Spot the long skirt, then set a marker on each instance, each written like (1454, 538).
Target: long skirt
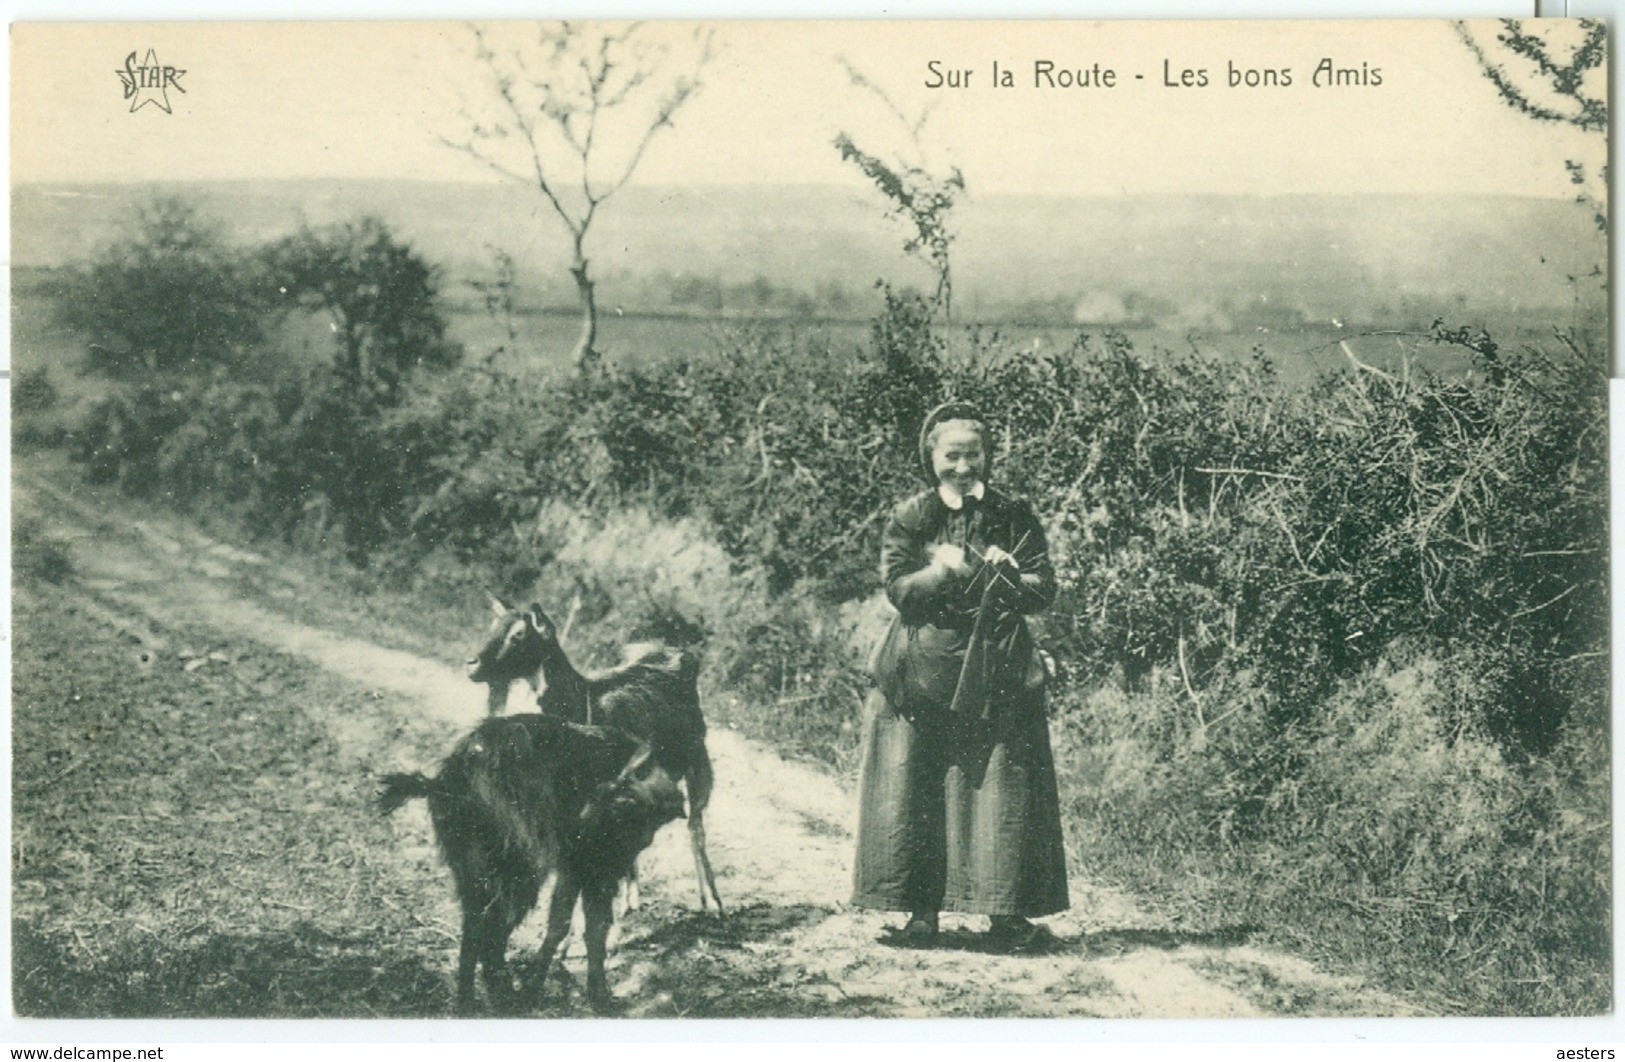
(960, 815)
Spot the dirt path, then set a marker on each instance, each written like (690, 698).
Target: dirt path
(780, 838)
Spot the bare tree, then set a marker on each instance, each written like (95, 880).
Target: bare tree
(920, 198)
(1553, 71)
(573, 114)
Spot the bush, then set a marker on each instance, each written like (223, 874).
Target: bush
(380, 296)
(1216, 522)
(1215, 525)
(321, 452)
(173, 295)
(121, 434)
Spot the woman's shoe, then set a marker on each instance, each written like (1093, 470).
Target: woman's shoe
(920, 931)
(1012, 933)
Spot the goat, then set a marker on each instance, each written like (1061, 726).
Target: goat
(524, 796)
(653, 693)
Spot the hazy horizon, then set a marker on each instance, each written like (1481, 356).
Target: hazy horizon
(1200, 258)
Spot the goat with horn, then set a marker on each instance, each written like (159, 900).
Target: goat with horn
(653, 694)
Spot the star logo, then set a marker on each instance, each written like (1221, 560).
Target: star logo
(149, 81)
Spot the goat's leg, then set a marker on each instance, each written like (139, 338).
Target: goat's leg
(633, 896)
(699, 782)
(559, 909)
(498, 980)
(468, 955)
(501, 919)
(598, 901)
(702, 862)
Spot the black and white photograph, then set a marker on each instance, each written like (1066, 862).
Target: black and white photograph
(709, 520)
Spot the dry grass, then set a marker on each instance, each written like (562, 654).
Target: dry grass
(188, 842)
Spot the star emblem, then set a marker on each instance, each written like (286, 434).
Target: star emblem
(149, 81)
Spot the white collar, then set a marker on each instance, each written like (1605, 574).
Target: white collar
(952, 499)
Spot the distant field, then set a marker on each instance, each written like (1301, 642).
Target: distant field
(545, 339)
(1364, 258)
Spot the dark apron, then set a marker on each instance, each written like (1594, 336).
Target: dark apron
(925, 670)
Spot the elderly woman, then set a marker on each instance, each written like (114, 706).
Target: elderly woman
(958, 807)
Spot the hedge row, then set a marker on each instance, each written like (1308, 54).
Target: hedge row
(1346, 630)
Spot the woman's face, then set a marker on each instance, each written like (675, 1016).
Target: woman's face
(958, 457)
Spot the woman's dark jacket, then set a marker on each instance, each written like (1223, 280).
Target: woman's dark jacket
(960, 643)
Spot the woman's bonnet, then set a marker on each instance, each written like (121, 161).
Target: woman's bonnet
(953, 409)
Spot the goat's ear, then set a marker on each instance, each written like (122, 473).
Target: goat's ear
(497, 607)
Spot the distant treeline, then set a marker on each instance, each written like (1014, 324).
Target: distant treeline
(1164, 260)
(695, 297)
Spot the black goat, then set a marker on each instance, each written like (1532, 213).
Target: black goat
(653, 693)
(524, 796)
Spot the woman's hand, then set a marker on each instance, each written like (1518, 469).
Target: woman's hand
(1007, 582)
(949, 558)
(1000, 559)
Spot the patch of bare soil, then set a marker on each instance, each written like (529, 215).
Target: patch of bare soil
(192, 836)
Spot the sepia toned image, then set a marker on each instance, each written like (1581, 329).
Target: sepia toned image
(761, 520)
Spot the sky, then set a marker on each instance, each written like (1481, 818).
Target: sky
(373, 100)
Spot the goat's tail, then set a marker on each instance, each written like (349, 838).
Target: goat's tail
(397, 789)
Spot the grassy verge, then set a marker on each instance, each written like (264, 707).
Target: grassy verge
(188, 841)
(1404, 849)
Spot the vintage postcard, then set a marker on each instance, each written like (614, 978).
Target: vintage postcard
(760, 520)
